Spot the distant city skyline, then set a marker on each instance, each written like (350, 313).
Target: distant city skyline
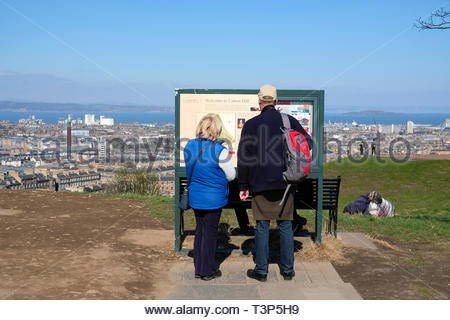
(435, 119)
(364, 55)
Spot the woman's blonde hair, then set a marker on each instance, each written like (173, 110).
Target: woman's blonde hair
(209, 127)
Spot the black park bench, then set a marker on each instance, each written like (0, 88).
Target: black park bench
(305, 199)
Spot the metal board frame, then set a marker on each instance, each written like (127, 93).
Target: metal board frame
(316, 96)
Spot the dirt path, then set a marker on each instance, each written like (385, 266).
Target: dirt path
(398, 270)
(78, 246)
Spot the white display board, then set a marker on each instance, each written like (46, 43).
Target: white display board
(233, 110)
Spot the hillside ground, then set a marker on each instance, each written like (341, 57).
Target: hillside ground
(414, 247)
(80, 246)
(86, 246)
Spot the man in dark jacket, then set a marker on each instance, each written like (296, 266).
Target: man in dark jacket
(260, 171)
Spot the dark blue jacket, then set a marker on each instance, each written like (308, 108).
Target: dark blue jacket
(361, 205)
(209, 186)
(260, 152)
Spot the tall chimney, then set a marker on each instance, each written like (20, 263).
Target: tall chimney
(69, 139)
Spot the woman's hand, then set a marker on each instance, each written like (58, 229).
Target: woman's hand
(244, 195)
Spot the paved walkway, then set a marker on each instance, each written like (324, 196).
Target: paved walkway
(356, 240)
(313, 280)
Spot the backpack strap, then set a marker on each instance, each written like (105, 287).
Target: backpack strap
(287, 125)
(286, 122)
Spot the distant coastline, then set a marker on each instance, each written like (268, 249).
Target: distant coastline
(165, 117)
(52, 117)
(30, 107)
(51, 112)
(373, 112)
(435, 119)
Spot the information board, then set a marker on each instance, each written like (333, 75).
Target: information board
(233, 110)
(234, 107)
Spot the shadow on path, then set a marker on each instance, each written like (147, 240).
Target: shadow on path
(225, 247)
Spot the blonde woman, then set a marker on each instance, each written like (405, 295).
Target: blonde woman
(211, 167)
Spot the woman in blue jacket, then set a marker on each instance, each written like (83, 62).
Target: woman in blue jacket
(208, 191)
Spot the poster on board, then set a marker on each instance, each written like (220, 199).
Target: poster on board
(300, 110)
(233, 110)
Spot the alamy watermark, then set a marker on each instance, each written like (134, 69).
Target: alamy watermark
(366, 146)
(262, 147)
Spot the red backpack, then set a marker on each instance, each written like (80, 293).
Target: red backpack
(296, 155)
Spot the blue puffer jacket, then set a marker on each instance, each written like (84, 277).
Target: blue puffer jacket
(209, 186)
(361, 205)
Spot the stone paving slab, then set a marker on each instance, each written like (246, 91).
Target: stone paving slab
(337, 292)
(235, 272)
(301, 275)
(266, 291)
(292, 291)
(216, 292)
(284, 291)
(313, 280)
(329, 272)
(356, 240)
(314, 273)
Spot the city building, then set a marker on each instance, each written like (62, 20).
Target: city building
(167, 185)
(75, 179)
(8, 182)
(89, 119)
(77, 133)
(410, 127)
(31, 120)
(28, 180)
(104, 121)
(71, 119)
(36, 181)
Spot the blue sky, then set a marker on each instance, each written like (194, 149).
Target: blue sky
(363, 53)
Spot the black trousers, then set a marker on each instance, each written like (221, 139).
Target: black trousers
(242, 217)
(205, 241)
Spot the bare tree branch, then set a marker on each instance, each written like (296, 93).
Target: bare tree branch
(438, 20)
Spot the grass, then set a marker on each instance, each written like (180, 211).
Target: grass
(163, 208)
(418, 189)
(416, 261)
(425, 292)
